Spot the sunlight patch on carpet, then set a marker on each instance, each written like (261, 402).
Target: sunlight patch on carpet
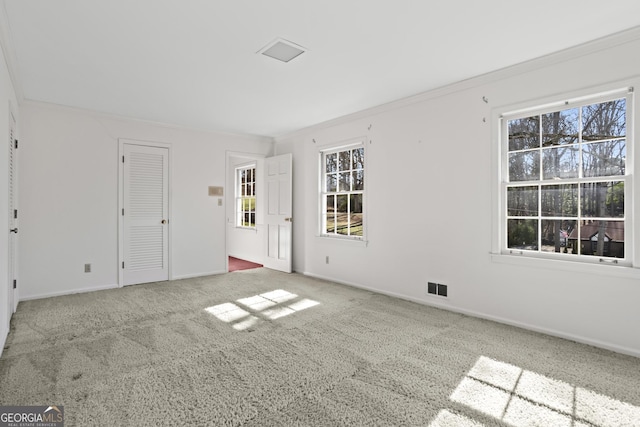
(268, 305)
(524, 398)
(447, 418)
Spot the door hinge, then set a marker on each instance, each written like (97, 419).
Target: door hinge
(122, 264)
(16, 143)
(15, 214)
(15, 283)
(122, 159)
(122, 211)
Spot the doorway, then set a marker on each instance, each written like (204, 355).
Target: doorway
(261, 235)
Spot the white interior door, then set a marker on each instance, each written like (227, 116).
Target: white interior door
(278, 218)
(145, 214)
(12, 296)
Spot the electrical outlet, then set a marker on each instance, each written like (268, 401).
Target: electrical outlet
(219, 202)
(326, 259)
(87, 268)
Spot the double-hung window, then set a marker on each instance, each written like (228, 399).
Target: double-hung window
(246, 196)
(566, 180)
(342, 192)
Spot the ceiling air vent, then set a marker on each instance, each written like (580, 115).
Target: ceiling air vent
(282, 50)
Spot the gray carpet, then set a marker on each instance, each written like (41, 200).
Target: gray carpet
(261, 348)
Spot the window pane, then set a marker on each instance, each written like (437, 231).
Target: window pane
(604, 121)
(358, 158)
(344, 181)
(560, 162)
(603, 199)
(524, 166)
(356, 203)
(342, 203)
(358, 180)
(330, 224)
(604, 158)
(555, 236)
(331, 162)
(344, 159)
(356, 225)
(522, 234)
(522, 201)
(559, 200)
(560, 127)
(244, 189)
(524, 133)
(243, 176)
(342, 223)
(332, 182)
(602, 238)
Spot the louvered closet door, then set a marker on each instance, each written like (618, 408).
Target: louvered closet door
(146, 209)
(13, 218)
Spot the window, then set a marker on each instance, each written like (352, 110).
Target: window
(246, 196)
(566, 181)
(343, 192)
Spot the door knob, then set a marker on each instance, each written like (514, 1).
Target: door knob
(14, 230)
(164, 221)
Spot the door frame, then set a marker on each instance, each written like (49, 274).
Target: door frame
(230, 194)
(121, 143)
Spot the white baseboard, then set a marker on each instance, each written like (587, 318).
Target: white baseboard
(472, 313)
(191, 276)
(68, 292)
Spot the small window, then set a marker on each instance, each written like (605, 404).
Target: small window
(342, 192)
(246, 196)
(566, 183)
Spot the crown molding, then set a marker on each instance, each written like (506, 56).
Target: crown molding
(564, 55)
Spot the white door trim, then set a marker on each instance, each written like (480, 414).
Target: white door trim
(121, 143)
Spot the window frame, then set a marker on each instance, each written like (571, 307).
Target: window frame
(322, 178)
(239, 197)
(500, 248)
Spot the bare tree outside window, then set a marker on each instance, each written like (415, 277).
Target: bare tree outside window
(343, 192)
(565, 185)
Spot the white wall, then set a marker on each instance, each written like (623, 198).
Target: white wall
(68, 187)
(247, 244)
(428, 160)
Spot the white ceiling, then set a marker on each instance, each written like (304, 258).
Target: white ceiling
(193, 62)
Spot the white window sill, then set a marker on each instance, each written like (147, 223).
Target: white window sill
(609, 270)
(350, 241)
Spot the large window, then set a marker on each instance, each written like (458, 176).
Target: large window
(246, 196)
(343, 192)
(566, 181)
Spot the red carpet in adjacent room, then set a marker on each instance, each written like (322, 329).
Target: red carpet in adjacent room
(236, 264)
